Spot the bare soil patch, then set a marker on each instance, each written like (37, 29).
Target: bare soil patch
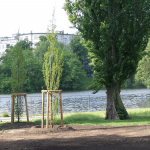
(30, 136)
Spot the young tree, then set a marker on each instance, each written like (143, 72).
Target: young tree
(53, 62)
(115, 33)
(52, 67)
(17, 76)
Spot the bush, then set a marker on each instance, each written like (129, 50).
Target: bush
(122, 113)
(5, 114)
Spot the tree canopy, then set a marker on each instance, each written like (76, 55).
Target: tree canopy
(116, 33)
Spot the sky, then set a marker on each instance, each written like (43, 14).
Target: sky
(32, 15)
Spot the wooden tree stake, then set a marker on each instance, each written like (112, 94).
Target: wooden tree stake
(50, 92)
(12, 106)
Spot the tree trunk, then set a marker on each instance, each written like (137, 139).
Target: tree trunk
(115, 108)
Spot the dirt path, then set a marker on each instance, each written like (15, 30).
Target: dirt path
(32, 137)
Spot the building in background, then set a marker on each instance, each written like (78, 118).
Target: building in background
(5, 42)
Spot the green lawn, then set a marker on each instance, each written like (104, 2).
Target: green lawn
(138, 116)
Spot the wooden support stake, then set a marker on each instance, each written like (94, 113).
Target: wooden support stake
(49, 92)
(12, 109)
(47, 121)
(12, 106)
(51, 111)
(61, 111)
(42, 110)
(26, 108)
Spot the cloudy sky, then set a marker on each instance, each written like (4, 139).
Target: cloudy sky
(32, 15)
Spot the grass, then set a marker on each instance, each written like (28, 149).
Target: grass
(138, 117)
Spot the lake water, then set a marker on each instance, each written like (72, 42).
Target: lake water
(81, 101)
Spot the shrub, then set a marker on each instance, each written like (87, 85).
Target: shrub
(122, 113)
(5, 114)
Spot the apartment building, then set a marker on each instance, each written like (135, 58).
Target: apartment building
(5, 42)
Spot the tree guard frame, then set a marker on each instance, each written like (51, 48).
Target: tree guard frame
(12, 106)
(61, 111)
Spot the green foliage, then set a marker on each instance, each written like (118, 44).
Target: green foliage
(8, 60)
(113, 36)
(70, 77)
(55, 108)
(78, 48)
(34, 78)
(25, 44)
(42, 39)
(18, 107)
(5, 114)
(41, 49)
(52, 67)
(116, 34)
(5, 72)
(87, 82)
(73, 74)
(122, 113)
(143, 70)
(17, 69)
(18, 74)
(32, 64)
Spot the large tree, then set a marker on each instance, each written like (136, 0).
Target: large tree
(115, 33)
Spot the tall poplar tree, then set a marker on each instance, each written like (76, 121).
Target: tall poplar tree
(52, 68)
(53, 62)
(115, 33)
(17, 76)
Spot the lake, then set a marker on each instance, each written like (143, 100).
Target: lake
(81, 101)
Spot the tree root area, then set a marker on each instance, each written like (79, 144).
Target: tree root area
(30, 136)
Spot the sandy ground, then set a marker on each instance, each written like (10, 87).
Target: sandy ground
(29, 136)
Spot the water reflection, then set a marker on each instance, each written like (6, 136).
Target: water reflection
(80, 101)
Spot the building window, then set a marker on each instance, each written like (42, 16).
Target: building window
(65, 40)
(26, 37)
(35, 36)
(70, 37)
(21, 38)
(61, 37)
(2, 46)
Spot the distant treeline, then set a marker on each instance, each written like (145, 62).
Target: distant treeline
(77, 73)
(75, 69)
